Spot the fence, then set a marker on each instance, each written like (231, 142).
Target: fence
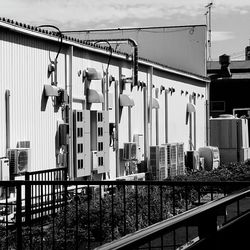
(87, 214)
(221, 224)
(58, 174)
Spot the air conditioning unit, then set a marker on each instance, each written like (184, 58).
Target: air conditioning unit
(19, 160)
(129, 151)
(4, 173)
(171, 158)
(211, 157)
(192, 160)
(94, 160)
(132, 177)
(163, 163)
(180, 159)
(154, 164)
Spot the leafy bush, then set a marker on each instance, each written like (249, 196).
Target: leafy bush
(226, 172)
(118, 211)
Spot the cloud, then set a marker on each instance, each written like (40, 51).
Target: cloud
(97, 13)
(218, 36)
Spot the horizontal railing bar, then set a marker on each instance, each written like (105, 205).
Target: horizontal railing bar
(157, 229)
(46, 171)
(127, 183)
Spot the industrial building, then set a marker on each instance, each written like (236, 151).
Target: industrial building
(229, 123)
(98, 112)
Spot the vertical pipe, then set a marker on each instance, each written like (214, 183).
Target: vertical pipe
(145, 106)
(117, 156)
(129, 124)
(150, 103)
(66, 72)
(107, 91)
(7, 106)
(207, 143)
(194, 99)
(190, 126)
(157, 118)
(166, 116)
(104, 93)
(71, 165)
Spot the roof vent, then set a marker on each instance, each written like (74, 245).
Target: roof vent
(247, 53)
(224, 62)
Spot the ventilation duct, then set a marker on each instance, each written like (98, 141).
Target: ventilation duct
(126, 101)
(95, 96)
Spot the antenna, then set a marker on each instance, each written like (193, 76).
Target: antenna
(209, 24)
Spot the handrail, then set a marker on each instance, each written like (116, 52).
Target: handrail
(148, 233)
(129, 183)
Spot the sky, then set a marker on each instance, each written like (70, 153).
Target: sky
(230, 19)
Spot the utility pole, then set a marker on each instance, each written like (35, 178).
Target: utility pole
(209, 25)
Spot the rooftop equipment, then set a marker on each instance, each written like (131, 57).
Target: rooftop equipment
(230, 135)
(19, 160)
(211, 157)
(192, 160)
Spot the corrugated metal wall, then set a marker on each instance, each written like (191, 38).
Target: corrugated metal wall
(24, 62)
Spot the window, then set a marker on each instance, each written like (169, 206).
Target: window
(80, 164)
(100, 146)
(79, 116)
(80, 148)
(99, 117)
(217, 106)
(100, 131)
(100, 161)
(79, 132)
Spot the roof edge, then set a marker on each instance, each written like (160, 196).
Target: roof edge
(49, 35)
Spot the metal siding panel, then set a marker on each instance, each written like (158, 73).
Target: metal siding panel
(24, 66)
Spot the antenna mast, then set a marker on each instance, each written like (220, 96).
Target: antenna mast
(208, 20)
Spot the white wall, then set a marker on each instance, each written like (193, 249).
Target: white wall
(23, 63)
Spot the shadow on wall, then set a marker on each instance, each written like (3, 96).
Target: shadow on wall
(44, 100)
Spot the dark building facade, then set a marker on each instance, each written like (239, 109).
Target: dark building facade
(230, 86)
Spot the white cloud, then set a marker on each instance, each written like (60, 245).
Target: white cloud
(218, 36)
(83, 12)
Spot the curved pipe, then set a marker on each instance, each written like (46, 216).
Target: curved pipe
(60, 35)
(132, 43)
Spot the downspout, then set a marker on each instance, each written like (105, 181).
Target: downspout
(150, 103)
(166, 116)
(207, 142)
(117, 106)
(194, 99)
(129, 124)
(71, 162)
(104, 92)
(190, 127)
(106, 86)
(157, 119)
(7, 105)
(145, 109)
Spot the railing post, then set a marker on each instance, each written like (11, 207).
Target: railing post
(18, 217)
(207, 226)
(27, 200)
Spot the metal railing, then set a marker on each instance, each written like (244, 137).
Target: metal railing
(58, 174)
(209, 226)
(87, 214)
